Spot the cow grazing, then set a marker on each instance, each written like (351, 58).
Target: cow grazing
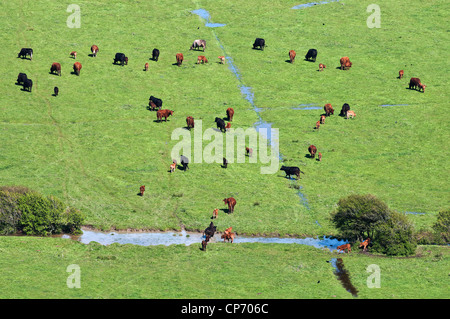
(24, 52)
(180, 58)
(198, 44)
(228, 235)
(222, 59)
(209, 231)
(94, 50)
(77, 68)
(422, 87)
(155, 54)
(56, 67)
(364, 244)
(146, 67)
(27, 85)
(55, 91)
(215, 213)
(154, 102)
(230, 114)
(322, 119)
(202, 59)
(228, 126)
(350, 113)
(328, 109)
(321, 67)
(344, 247)
(259, 42)
(311, 55)
(400, 74)
(220, 124)
(163, 113)
(21, 78)
(231, 202)
(142, 190)
(225, 163)
(249, 151)
(190, 122)
(184, 162)
(291, 170)
(173, 166)
(312, 150)
(121, 58)
(319, 157)
(345, 108)
(345, 63)
(317, 125)
(73, 54)
(204, 244)
(292, 55)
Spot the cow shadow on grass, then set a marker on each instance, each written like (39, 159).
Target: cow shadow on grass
(312, 61)
(25, 90)
(24, 58)
(225, 210)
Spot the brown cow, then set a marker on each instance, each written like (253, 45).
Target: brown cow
(312, 150)
(94, 50)
(400, 74)
(56, 67)
(180, 58)
(321, 67)
(350, 113)
(228, 126)
(173, 166)
(228, 236)
(320, 157)
(215, 213)
(190, 122)
(163, 113)
(222, 59)
(142, 190)
(328, 109)
(230, 114)
(73, 54)
(322, 119)
(202, 59)
(146, 66)
(364, 244)
(345, 63)
(204, 243)
(249, 151)
(292, 55)
(231, 203)
(317, 125)
(415, 82)
(422, 86)
(77, 68)
(344, 247)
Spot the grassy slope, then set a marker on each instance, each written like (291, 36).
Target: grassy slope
(95, 144)
(36, 268)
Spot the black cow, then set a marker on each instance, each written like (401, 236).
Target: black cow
(155, 54)
(120, 57)
(220, 124)
(24, 52)
(291, 170)
(154, 103)
(259, 43)
(27, 85)
(185, 162)
(225, 162)
(210, 230)
(311, 55)
(344, 110)
(56, 91)
(21, 78)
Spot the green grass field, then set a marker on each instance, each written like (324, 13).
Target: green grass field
(96, 143)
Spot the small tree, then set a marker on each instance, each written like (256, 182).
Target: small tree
(442, 226)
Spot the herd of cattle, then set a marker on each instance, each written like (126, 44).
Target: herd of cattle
(156, 104)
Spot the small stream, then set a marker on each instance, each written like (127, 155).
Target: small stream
(311, 4)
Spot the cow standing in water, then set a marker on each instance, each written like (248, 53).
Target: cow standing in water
(94, 50)
(292, 55)
(198, 44)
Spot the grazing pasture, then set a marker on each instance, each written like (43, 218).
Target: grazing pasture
(96, 143)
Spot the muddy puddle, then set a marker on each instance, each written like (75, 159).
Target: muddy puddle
(189, 238)
(343, 276)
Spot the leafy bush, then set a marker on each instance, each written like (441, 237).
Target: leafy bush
(34, 214)
(442, 227)
(364, 216)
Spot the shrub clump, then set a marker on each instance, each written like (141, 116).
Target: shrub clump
(27, 211)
